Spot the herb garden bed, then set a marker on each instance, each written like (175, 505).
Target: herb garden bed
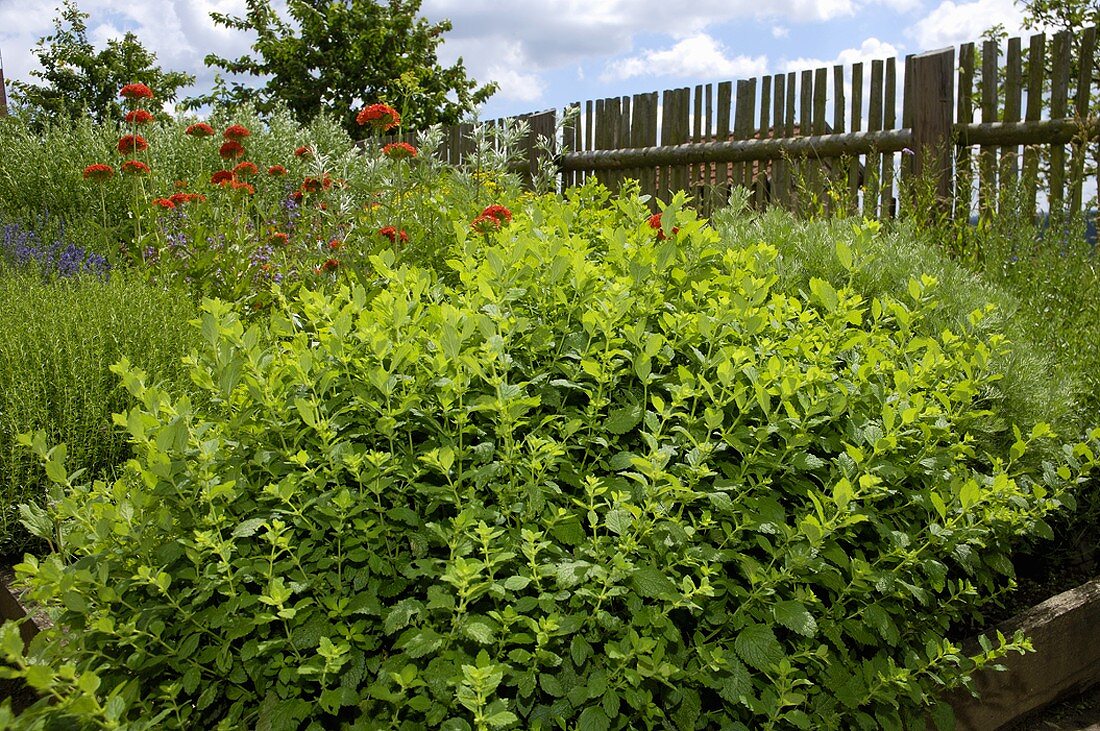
(1066, 661)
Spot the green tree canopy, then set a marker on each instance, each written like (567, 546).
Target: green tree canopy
(1060, 14)
(335, 56)
(79, 80)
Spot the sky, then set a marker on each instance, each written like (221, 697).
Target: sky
(547, 53)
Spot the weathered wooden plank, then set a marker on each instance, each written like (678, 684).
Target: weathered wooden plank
(723, 173)
(818, 173)
(855, 169)
(839, 127)
(801, 196)
(708, 168)
(906, 167)
(785, 181)
(1059, 95)
(873, 166)
(683, 176)
(1010, 162)
(542, 125)
(1036, 56)
(624, 133)
(987, 158)
(933, 94)
(964, 114)
(1038, 132)
(569, 140)
(889, 121)
(810, 146)
(644, 134)
(697, 172)
(743, 127)
(1087, 47)
(779, 113)
(760, 172)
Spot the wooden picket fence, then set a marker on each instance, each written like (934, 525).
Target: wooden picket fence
(842, 138)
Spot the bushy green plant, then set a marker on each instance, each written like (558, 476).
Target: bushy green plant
(625, 483)
(1034, 385)
(59, 339)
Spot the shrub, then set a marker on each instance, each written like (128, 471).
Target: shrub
(632, 485)
(59, 339)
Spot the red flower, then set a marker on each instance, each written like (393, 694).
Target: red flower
(200, 129)
(278, 238)
(316, 185)
(485, 224)
(655, 223)
(236, 132)
(380, 117)
(181, 184)
(238, 185)
(276, 170)
(99, 172)
(303, 152)
(221, 177)
(244, 169)
(129, 144)
(164, 203)
(501, 214)
(136, 91)
(139, 116)
(393, 234)
(330, 265)
(399, 151)
(296, 196)
(335, 244)
(231, 150)
(180, 198)
(135, 167)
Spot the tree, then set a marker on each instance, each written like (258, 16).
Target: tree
(1069, 15)
(81, 81)
(335, 56)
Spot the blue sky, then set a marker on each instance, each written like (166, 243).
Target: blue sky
(547, 53)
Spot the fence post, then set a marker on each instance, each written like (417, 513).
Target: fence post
(930, 78)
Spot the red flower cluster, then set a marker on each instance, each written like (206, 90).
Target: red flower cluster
(180, 198)
(129, 144)
(135, 167)
(303, 152)
(491, 219)
(164, 203)
(221, 176)
(199, 129)
(399, 151)
(231, 150)
(655, 223)
(244, 169)
(136, 91)
(276, 170)
(330, 265)
(236, 132)
(316, 185)
(246, 187)
(139, 116)
(380, 117)
(99, 172)
(393, 234)
(335, 245)
(278, 238)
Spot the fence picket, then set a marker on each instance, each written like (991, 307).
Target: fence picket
(889, 119)
(987, 157)
(964, 164)
(1059, 94)
(1081, 111)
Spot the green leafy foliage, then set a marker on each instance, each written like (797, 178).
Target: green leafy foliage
(402, 504)
(80, 82)
(59, 340)
(335, 56)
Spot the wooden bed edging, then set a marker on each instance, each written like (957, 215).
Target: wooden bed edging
(1065, 631)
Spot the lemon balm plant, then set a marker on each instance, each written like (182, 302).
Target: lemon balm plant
(601, 480)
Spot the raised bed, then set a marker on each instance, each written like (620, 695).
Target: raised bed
(1065, 631)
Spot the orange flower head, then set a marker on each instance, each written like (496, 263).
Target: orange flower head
(199, 129)
(99, 172)
(245, 169)
(231, 150)
(399, 151)
(129, 144)
(135, 167)
(136, 91)
(380, 117)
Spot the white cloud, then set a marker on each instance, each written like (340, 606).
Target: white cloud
(696, 56)
(951, 23)
(779, 31)
(870, 49)
(514, 85)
